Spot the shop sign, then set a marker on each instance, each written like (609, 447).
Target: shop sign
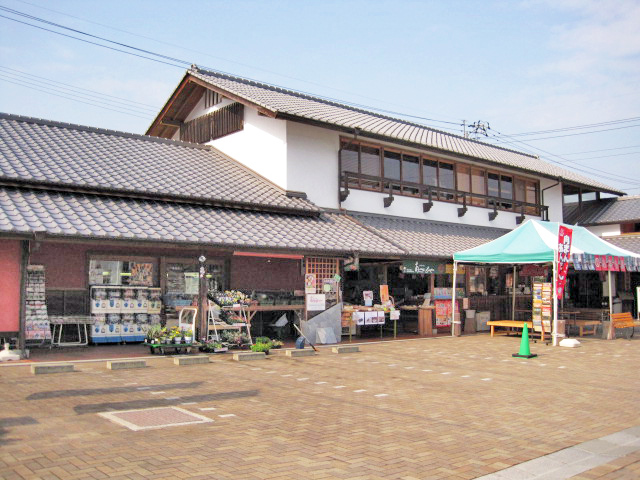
(564, 250)
(316, 302)
(384, 294)
(367, 296)
(310, 283)
(530, 270)
(419, 266)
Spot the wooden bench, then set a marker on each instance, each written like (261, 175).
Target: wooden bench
(509, 324)
(623, 320)
(581, 324)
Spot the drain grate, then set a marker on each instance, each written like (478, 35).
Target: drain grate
(150, 418)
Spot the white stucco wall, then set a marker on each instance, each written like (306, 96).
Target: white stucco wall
(261, 146)
(312, 163)
(605, 230)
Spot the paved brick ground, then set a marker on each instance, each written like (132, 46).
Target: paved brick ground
(429, 408)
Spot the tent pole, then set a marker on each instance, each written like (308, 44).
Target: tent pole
(453, 299)
(611, 334)
(513, 296)
(555, 305)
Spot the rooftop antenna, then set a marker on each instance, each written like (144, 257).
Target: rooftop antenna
(479, 129)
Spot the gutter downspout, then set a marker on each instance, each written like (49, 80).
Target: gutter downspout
(23, 297)
(355, 137)
(547, 188)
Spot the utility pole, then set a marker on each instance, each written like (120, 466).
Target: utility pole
(464, 129)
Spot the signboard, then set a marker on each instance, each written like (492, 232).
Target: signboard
(384, 294)
(367, 296)
(531, 270)
(310, 283)
(141, 274)
(422, 267)
(316, 302)
(564, 250)
(444, 312)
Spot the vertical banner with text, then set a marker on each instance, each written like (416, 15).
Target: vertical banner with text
(564, 250)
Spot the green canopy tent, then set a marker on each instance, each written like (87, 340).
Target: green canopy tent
(537, 242)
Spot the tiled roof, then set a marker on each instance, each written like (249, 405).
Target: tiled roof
(290, 104)
(628, 242)
(59, 214)
(64, 155)
(426, 238)
(604, 211)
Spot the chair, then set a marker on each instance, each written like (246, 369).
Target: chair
(279, 325)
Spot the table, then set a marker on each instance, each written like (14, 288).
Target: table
(509, 324)
(79, 321)
(581, 323)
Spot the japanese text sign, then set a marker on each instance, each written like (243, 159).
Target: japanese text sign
(564, 250)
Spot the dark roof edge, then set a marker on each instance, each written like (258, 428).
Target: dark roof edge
(103, 131)
(151, 197)
(342, 105)
(43, 236)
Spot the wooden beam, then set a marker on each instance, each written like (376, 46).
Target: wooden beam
(170, 122)
(244, 101)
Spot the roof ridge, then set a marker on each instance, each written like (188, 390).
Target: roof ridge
(103, 131)
(345, 105)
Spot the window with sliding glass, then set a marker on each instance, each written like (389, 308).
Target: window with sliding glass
(370, 165)
(377, 168)
(410, 174)
(392, 170)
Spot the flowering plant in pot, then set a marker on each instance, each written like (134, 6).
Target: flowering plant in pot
(188, 335)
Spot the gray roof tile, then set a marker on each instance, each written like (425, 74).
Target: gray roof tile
(628, 242)
(97, 216)
(60, 154)
(296, 104)
(605, 211)
(426, 238)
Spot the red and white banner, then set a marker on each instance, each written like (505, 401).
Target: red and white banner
(564, 250)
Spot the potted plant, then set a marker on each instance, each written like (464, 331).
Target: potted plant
(276, 344)
(154, 334)
(188, 336)
(261, 347)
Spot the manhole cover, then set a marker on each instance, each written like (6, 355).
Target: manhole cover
(149, 418)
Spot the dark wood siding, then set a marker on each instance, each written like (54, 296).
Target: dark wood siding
(214, 125)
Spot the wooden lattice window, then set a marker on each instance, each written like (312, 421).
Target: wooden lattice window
(322, 268)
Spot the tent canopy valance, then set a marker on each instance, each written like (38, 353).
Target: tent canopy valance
(537, 242)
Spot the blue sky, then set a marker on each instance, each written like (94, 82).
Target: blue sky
(522, 66)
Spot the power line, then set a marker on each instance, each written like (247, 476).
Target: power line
(92, 43)
(240, 63)
(602, 150)
(73, 99)
(185, 62)
(577, 127)
(582, 133)
(588, 170)
(100, 97)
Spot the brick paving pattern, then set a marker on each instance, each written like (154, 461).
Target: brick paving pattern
(418, 409)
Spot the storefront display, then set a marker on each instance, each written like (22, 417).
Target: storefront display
(37, 326)
(123, 314)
